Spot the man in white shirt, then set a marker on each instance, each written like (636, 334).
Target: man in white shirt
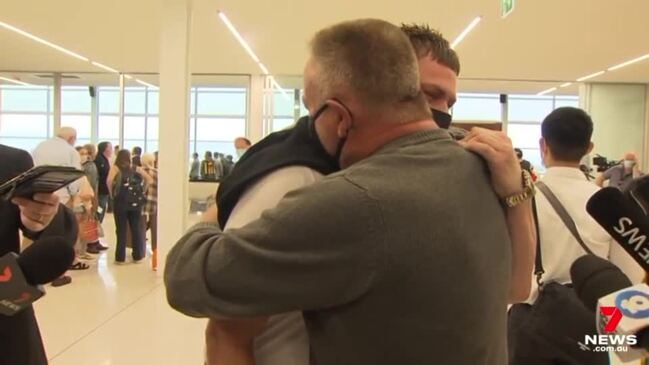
(566, 139)
(59, 151)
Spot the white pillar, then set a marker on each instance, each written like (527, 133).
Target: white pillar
(122, 91)
(57, 102)
(173, 204)
(255, 128)
(94, 117)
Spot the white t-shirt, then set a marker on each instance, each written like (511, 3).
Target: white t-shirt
(559, 249)
(58, 152)
(285, 340)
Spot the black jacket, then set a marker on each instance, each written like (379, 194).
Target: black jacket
(103, 168)
(20, 338)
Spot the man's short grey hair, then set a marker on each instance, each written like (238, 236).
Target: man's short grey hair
(371, 58)
(66, 133)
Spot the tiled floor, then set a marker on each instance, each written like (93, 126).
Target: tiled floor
(116, 315)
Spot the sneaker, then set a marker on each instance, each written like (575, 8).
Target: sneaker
(60, 281)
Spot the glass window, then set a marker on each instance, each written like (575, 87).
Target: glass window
(108, 128)
(219, 129)
(76, 100)
(227, 103)
(282, 123)
(226, 148)
(533, 155)
(108, 100)
(81, 123)
(524, 135)
(23, 125)
(134, 128)
(477, 107)
(567, 101)
(529, 109)
(26, 144)
(153, 102)
(134, 101)
(18, 99)
(283, 104)
(152, 134)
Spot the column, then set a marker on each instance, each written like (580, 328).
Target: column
(94, 116)
(619, 113)
(176, 16)
(256, 123)
(57, 102)
(122, 91)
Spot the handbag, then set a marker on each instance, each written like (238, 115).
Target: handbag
(89, 230)
(553, 329)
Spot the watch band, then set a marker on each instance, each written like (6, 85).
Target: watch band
(528, 192)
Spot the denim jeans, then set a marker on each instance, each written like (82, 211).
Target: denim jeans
(129, 219)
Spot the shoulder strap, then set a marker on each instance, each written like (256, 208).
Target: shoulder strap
(563, 214)
(538, 263)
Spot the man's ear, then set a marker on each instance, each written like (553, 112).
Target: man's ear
(343, 118)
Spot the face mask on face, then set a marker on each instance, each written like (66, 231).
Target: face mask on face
(341, 142)
(240, 152)
(443, 119)
(628, 164)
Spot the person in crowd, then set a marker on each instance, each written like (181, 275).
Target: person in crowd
(127, 185)
(241, 145)
(282, 339)
(137, 156)
(82, 204)
(39, 217)
(114, 155)
(525, 165)
(622, 175)
(102, 161)
(156, 159)
(208, 167)
(59, 151)
(374, 124)
(218, 164)
(195, 169)
(228, 163)
(90, 168)
(151, 205)
(566, 138)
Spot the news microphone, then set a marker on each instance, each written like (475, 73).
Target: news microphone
(21, 276)
(622, 310)
(624, 221)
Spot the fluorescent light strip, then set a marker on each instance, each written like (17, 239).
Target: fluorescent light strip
(128, 77)
(627, 63)
(590, 76)
(110, 69)
(42, 41)
(263, 68)
(547, 91)
(238, 36)
(145, 83)
(466, 31)
(566, 84)
(15, 81)
(276, 86)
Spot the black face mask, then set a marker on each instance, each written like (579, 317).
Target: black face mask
(341, 142)
(443, 119)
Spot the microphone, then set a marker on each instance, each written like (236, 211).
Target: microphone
(625, 222)
(21, 276)
(622, 310)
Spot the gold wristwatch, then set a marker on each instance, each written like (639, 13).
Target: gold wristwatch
(528, 192)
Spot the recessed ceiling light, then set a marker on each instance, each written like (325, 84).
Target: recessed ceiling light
(42, 41)
(263, 68)
(627, 63)
(587, 77)
(145, 83)
(109, 69)
(15, 81)
(238, 36)
(466, 31)
(547, 91)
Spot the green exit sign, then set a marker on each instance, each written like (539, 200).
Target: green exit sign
(506, 7)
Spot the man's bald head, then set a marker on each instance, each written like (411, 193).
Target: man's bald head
(631, 156)
(69, 134)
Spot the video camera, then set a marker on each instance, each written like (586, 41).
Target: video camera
(603, 163)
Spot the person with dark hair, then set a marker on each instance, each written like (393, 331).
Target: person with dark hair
(127, 186)
(525, 165)
(566, 139)
(39, 217)
(622, 175)
(136, 159)
(228, 163)
(103, 164)
(208, 167)
(195, 169)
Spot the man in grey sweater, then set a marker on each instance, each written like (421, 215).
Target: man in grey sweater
(385, 260)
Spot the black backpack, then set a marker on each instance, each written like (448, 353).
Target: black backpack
(129, 188)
